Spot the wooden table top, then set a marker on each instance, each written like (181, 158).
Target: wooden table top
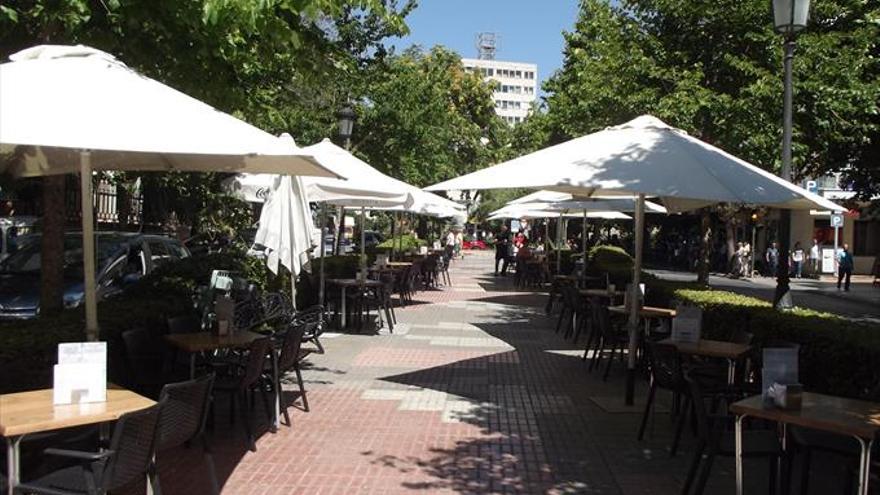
(349, 282)
(399, 264)
(710, 348)
(207, 341)
(565, 277)
(821, 412)
(646, 311)
(32, 412)
(600, 293)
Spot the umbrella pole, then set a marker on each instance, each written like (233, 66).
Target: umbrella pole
(323, 234)
(363, 261)
(88, 227)
(546, 235)
(559, 245)
(584, 241)
(635, 301)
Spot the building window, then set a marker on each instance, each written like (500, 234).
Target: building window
(519, 73)
(490, 71)
(866, 238)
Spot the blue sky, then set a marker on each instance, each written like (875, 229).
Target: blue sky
(529, 30)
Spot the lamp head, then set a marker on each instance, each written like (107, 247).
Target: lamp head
(790, 16)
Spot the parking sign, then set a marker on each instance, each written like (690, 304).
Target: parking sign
(837, 220)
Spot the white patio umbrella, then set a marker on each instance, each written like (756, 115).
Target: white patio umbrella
(648, 158)
(65, 109)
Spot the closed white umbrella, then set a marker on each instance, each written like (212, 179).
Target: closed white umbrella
(644, 157)
(65, 109)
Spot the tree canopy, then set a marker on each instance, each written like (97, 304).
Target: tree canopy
(714, 69)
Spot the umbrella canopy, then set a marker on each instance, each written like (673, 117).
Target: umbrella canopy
(527, 213)
(648, 158)
(644, 156)
(65, 109)
(286, 227)
(58, 100)
(589, 205)
(367, 188)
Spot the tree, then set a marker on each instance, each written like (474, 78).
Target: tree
(424, 119)
(238, 55)
(714, 70)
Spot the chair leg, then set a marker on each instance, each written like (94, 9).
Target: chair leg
(805, 471)
(265, 400)
(209, 463)
(281, 404)
(610, 362)
(682, 418)
(648, 404)
(704, 473)
(302, 388)
(692, 470)
(246, 417)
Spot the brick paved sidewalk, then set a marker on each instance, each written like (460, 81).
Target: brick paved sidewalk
(473, 393)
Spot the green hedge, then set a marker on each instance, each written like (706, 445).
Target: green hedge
(837, 356)
(409, 241)
(28, 349)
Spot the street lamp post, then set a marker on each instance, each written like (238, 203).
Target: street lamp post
(346, 116)
(789, 18)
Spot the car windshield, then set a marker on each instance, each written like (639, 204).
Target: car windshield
(27, 259)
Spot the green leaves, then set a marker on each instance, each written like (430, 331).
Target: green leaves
(715, 70)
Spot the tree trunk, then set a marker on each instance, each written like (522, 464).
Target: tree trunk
(52, 245)
(730, 232)
(705, 247)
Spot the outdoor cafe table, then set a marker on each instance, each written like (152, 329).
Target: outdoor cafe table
(203, 342)
(31, 412)
(855, 418)
(399, 264)
(601, 293)
(730, 351)
(345, 283)
(646, 312)
(200, 342)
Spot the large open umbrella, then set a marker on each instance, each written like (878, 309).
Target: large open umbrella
(65, 109)
(648, 158)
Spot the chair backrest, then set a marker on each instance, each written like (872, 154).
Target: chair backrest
(142, 351)
(247, 314)
(602, 317)
(184, 410)
(742, 337)
(571, 297)
(255, 363)
(276, 306)
(133, 444)
(666, 369)
(313, 317)
(292, 344)
(183, 324)
(700, 414)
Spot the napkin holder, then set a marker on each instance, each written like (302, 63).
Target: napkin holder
(786, 395)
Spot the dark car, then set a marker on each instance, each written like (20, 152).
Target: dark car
(123, 258)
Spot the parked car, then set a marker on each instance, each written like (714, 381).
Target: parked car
(14, 232)
(123, 258)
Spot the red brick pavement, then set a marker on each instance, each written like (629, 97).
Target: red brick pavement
(401, 414)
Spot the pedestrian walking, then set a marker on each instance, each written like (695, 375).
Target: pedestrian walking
(814, 256)
(772, 259)
(502, 250)
(844, 267)
(797, 260)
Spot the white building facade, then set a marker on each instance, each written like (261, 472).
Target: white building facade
(516, 89)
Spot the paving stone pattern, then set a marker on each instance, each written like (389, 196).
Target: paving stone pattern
(473, 393)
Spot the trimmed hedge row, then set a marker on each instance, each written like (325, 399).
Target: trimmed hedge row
(837, 356)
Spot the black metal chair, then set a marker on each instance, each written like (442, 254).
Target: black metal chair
(145, 361)
(715, 438)
(185, 408)
(667, 373)
(316, 315)
(129, 456)
(186, 323)
(610, 338)
(290, 358)
(242, 385)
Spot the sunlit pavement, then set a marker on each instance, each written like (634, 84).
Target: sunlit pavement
(472, 393)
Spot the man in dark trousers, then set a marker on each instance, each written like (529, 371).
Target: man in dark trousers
(502, 250)
(844, 267)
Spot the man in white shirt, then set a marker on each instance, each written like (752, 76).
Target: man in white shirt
(814, 256)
